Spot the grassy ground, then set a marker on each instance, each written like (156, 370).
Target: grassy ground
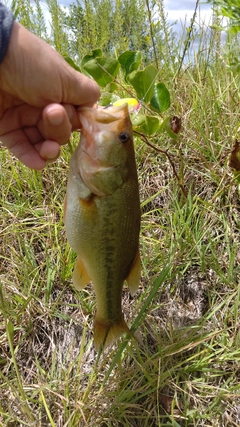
(186, 372)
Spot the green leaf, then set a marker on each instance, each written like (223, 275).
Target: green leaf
(143, 82)
(138, 120)
(97, 53)
(103, 70)
(10, 330)
(166, 125)
(130, 61)
(71, 62)
(161, 98)
(146, 124)
(106, 99)
(112, 87)
(86, 59)
(234, 29)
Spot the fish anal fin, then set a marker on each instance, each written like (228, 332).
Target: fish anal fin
(80, 276)
(133, 278)
(107, 332)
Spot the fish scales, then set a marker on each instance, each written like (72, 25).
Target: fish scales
(102, 215)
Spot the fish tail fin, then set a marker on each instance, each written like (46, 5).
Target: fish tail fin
(107, 332)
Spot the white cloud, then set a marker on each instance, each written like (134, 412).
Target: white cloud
(182, 12)
(184, 5)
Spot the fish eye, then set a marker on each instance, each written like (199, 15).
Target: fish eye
(124, 137)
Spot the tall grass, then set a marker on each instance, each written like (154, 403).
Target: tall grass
(186, 371)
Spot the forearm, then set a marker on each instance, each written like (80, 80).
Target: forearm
(6, 22)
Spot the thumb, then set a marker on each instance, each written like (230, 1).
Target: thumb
(78, 89)
(37, 74)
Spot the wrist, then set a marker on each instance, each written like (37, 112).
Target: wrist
(6, 23)
(25, 68)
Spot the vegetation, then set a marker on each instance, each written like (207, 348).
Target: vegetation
(186, 371)
(231, 10)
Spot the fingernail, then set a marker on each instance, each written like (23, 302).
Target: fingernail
(55, 118)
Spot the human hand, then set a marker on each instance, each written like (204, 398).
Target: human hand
(39, 96)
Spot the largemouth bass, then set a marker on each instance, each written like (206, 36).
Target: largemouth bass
(102, 215)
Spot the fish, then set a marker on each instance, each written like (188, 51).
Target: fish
(102, 215)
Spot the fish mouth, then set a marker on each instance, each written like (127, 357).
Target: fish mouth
(105, 115)
(96, 163)
(111, 113)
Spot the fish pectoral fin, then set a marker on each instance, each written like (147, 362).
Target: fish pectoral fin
(80, 276)
(134, 276)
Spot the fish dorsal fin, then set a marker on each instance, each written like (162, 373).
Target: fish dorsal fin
(80, 276)
(133, 278)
